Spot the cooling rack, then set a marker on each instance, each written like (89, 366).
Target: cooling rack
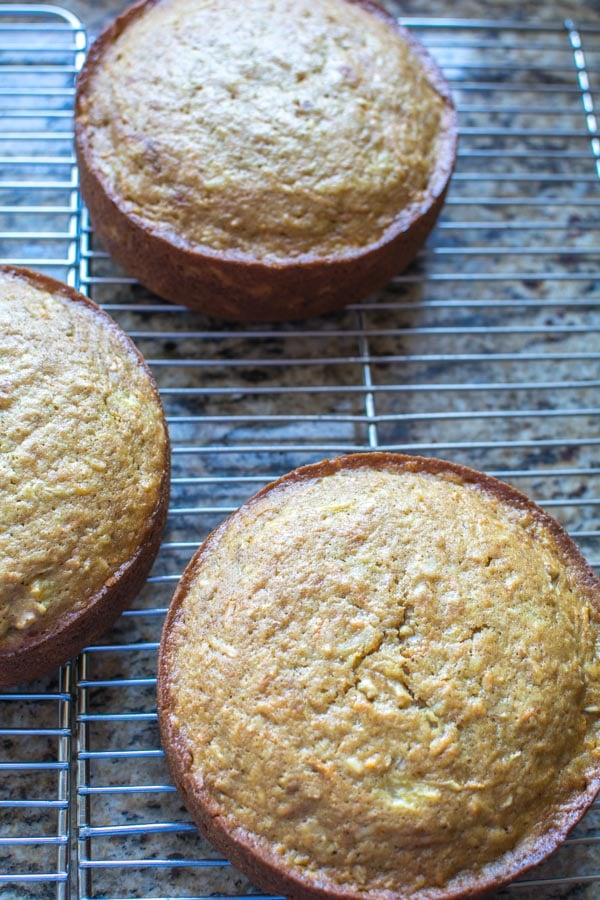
(485, 352)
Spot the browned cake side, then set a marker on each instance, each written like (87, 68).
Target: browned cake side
(269, 164)
(381, 678)
(84, 473)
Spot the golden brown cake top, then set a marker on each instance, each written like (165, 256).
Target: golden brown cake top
(388, 673)
(82, 453)
(274, 130)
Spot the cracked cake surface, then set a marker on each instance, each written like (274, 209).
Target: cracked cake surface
(383, 672)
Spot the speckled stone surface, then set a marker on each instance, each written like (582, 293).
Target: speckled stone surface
(96, 15)
(484, 352)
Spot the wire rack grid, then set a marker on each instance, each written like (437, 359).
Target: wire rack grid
(485, 351)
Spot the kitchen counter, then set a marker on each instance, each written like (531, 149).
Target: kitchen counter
(95, 15)
(485, 351)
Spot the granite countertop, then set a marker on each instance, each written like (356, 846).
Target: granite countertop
(232, 388)
(95, 15)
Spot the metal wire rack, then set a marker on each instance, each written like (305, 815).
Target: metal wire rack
(485, 351)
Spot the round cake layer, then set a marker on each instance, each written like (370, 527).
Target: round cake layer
(84, 467)
(296, 128)
(380, 677)
(297, 133)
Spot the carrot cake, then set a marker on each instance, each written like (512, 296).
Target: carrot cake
(270, 161)
(380, 678)
(84, 473)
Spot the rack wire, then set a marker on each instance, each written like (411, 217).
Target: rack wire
(40, 52)
(485, 351)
